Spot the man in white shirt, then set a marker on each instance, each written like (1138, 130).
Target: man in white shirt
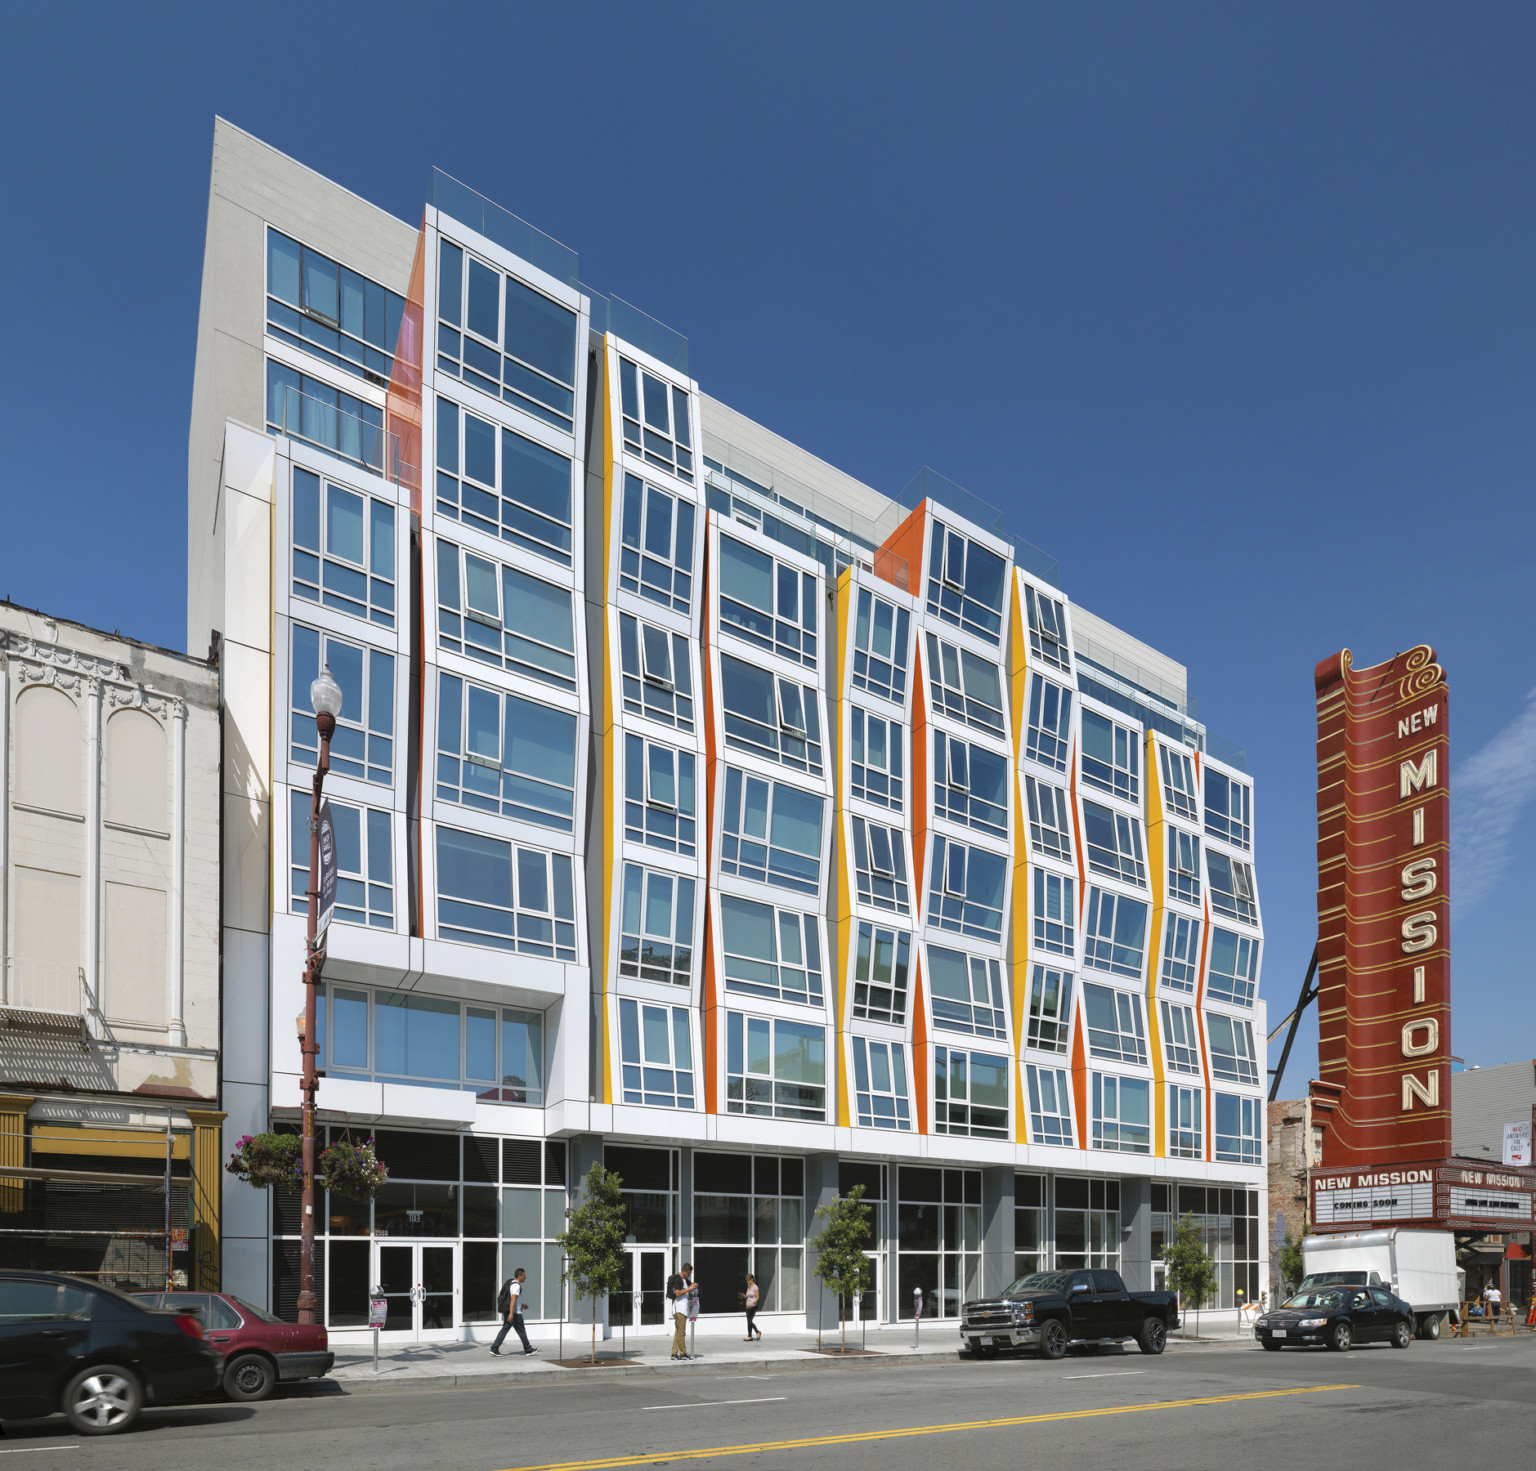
(514, 1320)
(1494, 1298)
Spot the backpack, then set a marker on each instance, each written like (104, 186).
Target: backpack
(504, 1298)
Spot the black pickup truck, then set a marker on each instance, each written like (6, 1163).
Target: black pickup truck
(1048, 1311)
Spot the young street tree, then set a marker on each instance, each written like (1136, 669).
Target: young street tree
(1191, 1273)
(840, 1259)
(1292, 1264)
(593, 1241)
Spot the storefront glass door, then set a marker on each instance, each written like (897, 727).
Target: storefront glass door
(419, 1283)
(641, 1300)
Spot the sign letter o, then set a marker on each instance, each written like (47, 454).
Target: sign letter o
(1431, 1030)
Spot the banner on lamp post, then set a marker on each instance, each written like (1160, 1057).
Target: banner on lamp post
(327, 886)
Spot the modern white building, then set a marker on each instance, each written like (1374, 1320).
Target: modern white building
(706, 812)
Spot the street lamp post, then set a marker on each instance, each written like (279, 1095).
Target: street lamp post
(326, 698)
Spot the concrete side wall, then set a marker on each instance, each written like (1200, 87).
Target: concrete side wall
(1483, 1100)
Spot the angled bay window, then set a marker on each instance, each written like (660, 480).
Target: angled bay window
(1050, 1009)
(1181, 953)
(775, 1068)
(1122, 1114)
(656, 422)
(967, 993)
(1115, 1030)
(1050, 826)
(966, 887)
(970, 1093)
(880, 974)
(767, 602)
(774, 953)
(365, 886)
(1181, 1038)
(1183, 866)
(655, 1055)
(880, 647)
(1234, 970)
(1047, 629)
(656, 545)
(1055, 916)
(490, 892)
(880, 1084)
(345, 557)
(1114, 844)
(770, 716)
(505, 617)
(1228, 809)
(1231, 887)
(965, 686)
(970, 784)
(1239, 1125)
(880, 864)
(502, 753)
(1115, 933)
(771, 832)
(1111, 757)
(1186, 1119)
(659, 796)
(321, 307)
(965, 583)
(311, 410)
(505, 338)
(656, 672)
(363, 745)
(878, 769)
(503, 484)
(656, 926)
(1180, 794)
(1232, 1052)
(1050, 723)
(1050, 1106)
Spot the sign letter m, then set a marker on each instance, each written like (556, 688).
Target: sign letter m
(1412, 778)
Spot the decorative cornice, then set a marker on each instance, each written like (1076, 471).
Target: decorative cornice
(78, 674)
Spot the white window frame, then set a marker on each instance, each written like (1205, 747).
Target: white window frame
(639, 946)
(668, 448)
(1046, 1125)
(1053, 837)
(882, 674)
(635, 555)
(1123, 862)
(1050, 743)
(640, 1073)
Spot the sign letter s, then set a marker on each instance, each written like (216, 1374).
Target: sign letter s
(1419, 878)
(1419, 931)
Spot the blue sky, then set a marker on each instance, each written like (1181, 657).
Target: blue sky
(1231, 308)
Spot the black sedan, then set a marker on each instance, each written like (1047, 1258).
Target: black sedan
(1338, 1317)
(94, 1353)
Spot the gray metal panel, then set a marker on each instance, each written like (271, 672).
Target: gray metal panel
(1483, 1100)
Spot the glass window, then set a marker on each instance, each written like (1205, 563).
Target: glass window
(1111, 757)
(878, 768)
(1122, 1114)
(772, 832)
(970, 784)
(774, 953)
(522, 1058)
(1181, 1038)
(1234, 972)
(479, 902)
(1232, 1052)
(880, 975)
(1228, 809)
(365, 889)
(1116, 933)
(1231, 887)
(967, 993)
(1055, 913)
(1179, 790)
(656, 545)
(965, 686)
(330, 312)
(656, 420)
(970, 1093)
(1185, 1122)
(1183, 866)
(1047, 629)
(1050, 723)
(1050, 1008)
(1050, 827)
(880, 647)
(1114, 844)
(656, 672)
(363, 743)
(504, 617)
(768, 602)
(880, 1084)
(775, 1068)
(1181, 953)
(880, 865)
(1050, 1106)
(656, 1055)
(754, 1207)
(1115, 1030)
(345, 557)
(966, 889)
(965, 583)
(659, 796)
(656, 926)
(1238, 1125)
(311, 410)
(770, 716)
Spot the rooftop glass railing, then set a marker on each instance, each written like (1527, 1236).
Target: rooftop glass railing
(470, 207)
(928, 484)
(640, 329)
(359, 438)
(1227, 751)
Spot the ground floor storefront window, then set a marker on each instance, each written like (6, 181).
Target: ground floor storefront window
(1066, 1221)
(749, 1216)
(1228, 1220)
(938, 1239)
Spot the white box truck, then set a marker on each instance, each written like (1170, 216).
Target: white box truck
(1418, 1266)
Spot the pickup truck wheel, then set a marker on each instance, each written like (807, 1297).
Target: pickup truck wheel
(1153, 1337)
(1402, 1335)
(1340, 1338)
(102, 1399)
(249, 1378)
(1429, 1326)
(1053, 1339)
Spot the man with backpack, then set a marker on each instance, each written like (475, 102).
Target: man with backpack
(509, 1303)
(681, 1293)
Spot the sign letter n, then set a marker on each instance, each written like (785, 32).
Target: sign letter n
(1428, 1095)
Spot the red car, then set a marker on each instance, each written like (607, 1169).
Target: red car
(258, 1349)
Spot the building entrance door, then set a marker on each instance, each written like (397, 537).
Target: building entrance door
(419, 1282)
(641, 1301)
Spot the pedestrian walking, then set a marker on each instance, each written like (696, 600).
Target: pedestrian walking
(749, 1300)
(680, 1289)
(509, 1303)
(1495, 1300)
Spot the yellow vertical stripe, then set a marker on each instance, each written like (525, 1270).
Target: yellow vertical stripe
(841, 857)
(1018, 669)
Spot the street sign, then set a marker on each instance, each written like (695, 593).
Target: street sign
(377, 1307)
(327, 868)
(1517, 1143)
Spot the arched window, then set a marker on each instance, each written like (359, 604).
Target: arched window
(48, 751)
(135, 771)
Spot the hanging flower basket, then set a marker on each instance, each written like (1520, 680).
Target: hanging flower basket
(353, 1170)
(268, 1159)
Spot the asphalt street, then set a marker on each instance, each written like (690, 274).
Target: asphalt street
(1441, 1404)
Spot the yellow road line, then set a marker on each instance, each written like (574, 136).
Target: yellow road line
(870, 1435)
